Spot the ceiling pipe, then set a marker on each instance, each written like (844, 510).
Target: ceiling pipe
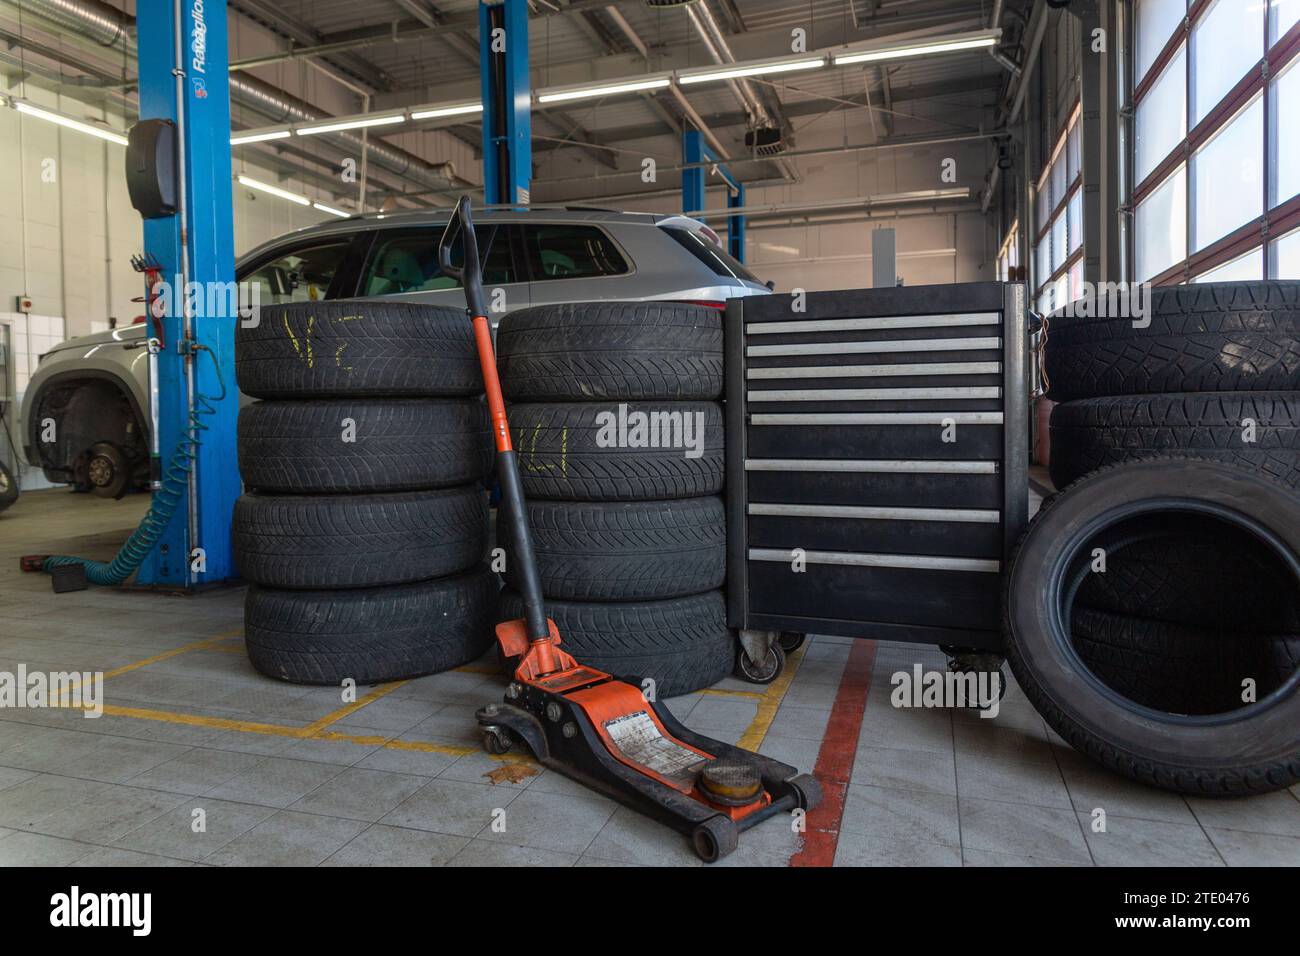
(710, 33)
(112, 28)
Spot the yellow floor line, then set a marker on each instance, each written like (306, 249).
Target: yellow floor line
(199, 720)
(724, 692)
(768, 704)
(352, 708)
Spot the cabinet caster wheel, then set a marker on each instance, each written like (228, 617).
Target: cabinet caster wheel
(764, 673)
(791, 641)
(496, 741)
(714, 838)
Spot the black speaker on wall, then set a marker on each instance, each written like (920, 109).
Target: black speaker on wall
(151, 167)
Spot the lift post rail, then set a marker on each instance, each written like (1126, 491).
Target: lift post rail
(877, 462)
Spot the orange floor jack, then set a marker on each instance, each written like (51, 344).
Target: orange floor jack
(598, 729)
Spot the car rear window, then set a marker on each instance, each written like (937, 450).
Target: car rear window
(562, 251)
(710, 253)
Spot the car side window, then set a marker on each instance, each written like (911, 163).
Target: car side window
(303, 275)
(408, 261)
(563, 251)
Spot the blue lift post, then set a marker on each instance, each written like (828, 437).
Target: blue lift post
(183, 77)
(695, 153)
(507, 102)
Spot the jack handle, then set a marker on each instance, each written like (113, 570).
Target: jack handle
(513, 513)
(461, 220)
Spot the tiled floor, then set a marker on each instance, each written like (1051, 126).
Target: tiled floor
(198, 759)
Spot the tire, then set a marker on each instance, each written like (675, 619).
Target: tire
(1212, 337)
(562, 454)
(1199, 580)
(594, 351)
(8, 488)
(400, 445)
(371, 635)
(1253, 749)
(621, 551)
(1170, 666)
(359, 541)
(357, 348)
(683, 644)
(1094, 432)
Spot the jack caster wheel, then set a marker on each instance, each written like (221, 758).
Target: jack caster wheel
(807, 791)
(766, 672)
(715, 838)
(496, 741)
(791, 641)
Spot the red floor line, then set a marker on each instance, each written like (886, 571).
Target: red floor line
(835, 758)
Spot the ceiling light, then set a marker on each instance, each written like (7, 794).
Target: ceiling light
(274, 190)
(457, 110)
(80, 126)
(609, 89)
(239, 139)
(965, 41)
(362, 123)
(331, 210)
(752, 69)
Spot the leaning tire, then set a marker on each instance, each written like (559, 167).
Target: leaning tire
(399, 445)
(592, 351)
(371, 635)
(1091, 433)
(357, 541)
(354, 348)
(1217, 336)
(627, 550)
(683, 644)
(1249, 750)
(579, 452)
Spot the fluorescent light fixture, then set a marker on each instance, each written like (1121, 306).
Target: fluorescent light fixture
(252, 183)
(560, 94)
(756, 68)
(239, 139)
(896, 51)
(80, 126)
(458, 109)
(331, 210)
(361, 123)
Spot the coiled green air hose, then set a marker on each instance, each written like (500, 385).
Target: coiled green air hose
(171, 492)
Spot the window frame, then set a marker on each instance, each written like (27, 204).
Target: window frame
(1257, 81)
(1060, 153)
(344, 283)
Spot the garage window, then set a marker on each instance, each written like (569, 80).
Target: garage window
(1059, 243)
(1215, 141)
(1284, 256)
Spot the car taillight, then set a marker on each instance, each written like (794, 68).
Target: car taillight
(711, 303)
(710, 235)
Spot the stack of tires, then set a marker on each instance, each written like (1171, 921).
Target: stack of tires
(619, 437)
(1176, 455)
(364, 525)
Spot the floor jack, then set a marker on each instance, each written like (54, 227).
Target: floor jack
(598, 729)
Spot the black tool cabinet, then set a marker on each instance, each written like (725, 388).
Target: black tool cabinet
(837, 463)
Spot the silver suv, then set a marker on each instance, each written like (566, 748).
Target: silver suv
(96, 387)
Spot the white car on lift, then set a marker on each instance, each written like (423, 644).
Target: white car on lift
(95, 387)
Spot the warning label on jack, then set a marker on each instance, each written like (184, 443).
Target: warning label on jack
(639, 739)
